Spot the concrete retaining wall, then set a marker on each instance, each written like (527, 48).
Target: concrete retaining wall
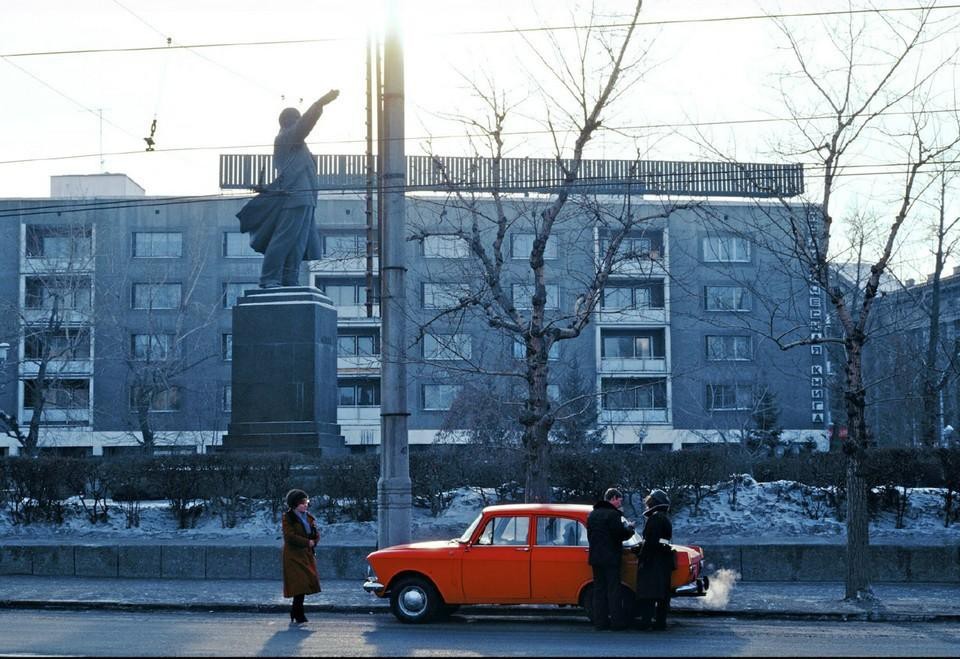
(753, 562)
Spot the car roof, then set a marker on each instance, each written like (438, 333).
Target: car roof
(529, 508)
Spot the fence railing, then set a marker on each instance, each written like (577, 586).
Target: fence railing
(545, 175)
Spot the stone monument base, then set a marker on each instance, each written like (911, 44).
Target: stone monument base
(284, 376)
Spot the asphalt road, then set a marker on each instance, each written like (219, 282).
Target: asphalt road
(119, 633)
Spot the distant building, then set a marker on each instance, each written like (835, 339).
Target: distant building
(678, 351)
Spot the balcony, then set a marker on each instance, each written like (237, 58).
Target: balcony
(58, 367)
(37, 265)
(357, 312)
(640, 268)
(364, 415)
(343, 266)
(639, 417)
(632, 316)
(618, 365)
(541, 175)
(358, 365)
(41, 316)
(53, 416)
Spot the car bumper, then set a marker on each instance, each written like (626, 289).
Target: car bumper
(696, 588)
(373, 586)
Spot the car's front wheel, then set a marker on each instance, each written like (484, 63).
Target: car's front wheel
(414, 600)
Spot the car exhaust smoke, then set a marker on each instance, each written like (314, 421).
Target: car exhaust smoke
(721, 585)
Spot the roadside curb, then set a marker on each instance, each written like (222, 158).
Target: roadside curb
(505, 612)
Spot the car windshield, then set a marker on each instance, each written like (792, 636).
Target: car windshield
(470, 529)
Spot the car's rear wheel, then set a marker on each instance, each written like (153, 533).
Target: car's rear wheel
(414, 600)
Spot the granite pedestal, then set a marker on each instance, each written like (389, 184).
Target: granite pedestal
(284, 380)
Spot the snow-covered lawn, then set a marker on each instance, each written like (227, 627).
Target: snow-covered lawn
(776, 512)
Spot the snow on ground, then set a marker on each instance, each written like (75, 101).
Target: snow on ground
(763, 513)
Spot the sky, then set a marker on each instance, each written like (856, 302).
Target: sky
(230, 67)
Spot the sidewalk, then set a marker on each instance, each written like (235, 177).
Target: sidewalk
(775, 600)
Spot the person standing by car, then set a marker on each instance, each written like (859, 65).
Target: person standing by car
(606, 531)
(300, 537)
(655, 563)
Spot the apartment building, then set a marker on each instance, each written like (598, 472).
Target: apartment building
(122, 307)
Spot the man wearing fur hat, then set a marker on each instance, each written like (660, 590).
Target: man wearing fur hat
(300, 536)
(606, 531)
(655, 563)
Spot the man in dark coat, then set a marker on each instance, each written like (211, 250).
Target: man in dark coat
(291, 235)
(655, 563)
(606, 531)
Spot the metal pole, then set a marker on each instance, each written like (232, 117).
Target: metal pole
(393, 488)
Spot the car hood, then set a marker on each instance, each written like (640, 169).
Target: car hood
(421, 546)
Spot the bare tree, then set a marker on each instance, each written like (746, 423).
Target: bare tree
(54, 321)
(165, 337)
(528, 304)
(869, 88)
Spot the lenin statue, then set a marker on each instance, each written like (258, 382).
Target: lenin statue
(282, 226)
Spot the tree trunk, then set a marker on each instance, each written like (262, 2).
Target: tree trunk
(858, 530)
(148, 441)
(537, 421)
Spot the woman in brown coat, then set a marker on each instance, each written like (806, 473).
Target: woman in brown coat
(300, 536)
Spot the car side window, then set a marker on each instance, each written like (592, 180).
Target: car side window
(561, 532)
(505, 531)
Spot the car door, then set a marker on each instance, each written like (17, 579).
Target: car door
(558, 561)
(496, 566)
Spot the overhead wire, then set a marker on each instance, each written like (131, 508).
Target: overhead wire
(501, 31)
(454, 136)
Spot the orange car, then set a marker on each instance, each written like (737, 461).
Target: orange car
(510, 554)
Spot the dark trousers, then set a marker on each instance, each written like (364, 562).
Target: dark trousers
(607, 611)
(296, 609)
(288, 244)
(653, 611)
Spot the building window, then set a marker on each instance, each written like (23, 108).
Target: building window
(157, 244)
(347, 294)
(729, 397)
(161, 400)
(635, 247)
(443, 295)
(634, 394)
(447, 346)
(357, 345)
(520, 350)
(553, 393)
(226, 398)
(67, 343)
(729, 348)
(358, 393)
(629, 346)
(63, 394)
(523, 296)
(445, 247)
(156, 296)
(521, 244)
(66, 293)
(726, 249)
(439, 396)
(226, 347)
(58, 241)
(648, 295)
(726, 298)
(151, 347)
(344, 246)
(236, 245)
(234, 290)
